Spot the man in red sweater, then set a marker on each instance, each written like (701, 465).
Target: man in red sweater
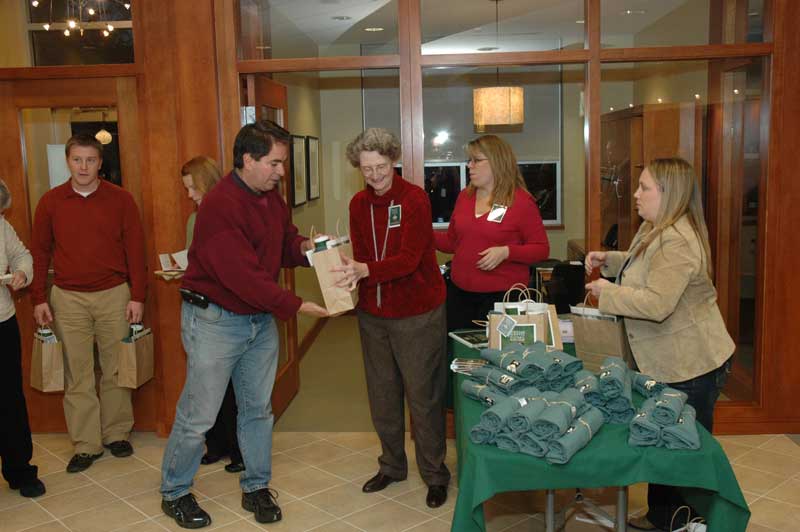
(242, 237)
(92, 231)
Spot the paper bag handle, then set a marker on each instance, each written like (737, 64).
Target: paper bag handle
(586, 300)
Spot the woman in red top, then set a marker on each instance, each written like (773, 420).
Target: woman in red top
(495, 233)
(401, 314)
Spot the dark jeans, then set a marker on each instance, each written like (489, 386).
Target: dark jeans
(464, 306)
(16, 447)
(703, 392)
(221, 439)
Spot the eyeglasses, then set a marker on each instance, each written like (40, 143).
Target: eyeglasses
(368, 171)
(476, 160)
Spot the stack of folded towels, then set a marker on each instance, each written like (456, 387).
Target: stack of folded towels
(665, 420)
(534, 364)
(610, 391)
(545, 424)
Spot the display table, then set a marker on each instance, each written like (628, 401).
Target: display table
(705, 475)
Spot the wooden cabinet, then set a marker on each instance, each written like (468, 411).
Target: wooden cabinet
(629, 139)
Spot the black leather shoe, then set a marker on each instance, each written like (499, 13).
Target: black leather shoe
(81, 462)
(437, 495)
(186, 512)
(120, 448)
(32, 488)
(263, 504)
(378, 482)
(211, 458)
(235, 467)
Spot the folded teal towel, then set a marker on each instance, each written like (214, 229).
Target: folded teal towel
(604, 409)
(480, 435)
(619, 404)
(488, 395)
(529, 392)
(557, 417)
(511, 359)
(496, 417)
(581, 431)
(521, 420)
(530, 444)
(586, 383)
(644, 432)
(669, 405)
(614, 378)
(560, 384)
(683, 434)
(502, 379)
(645, 385)
(507, 441)
(547, 362)
(621, 418)
(570, 364)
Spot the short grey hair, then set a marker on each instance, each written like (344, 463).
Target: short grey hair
(376, 139)
(5, 196)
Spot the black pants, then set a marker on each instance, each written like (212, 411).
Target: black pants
(221, 438)
(16, 447)
(703, 392)
(464, 306)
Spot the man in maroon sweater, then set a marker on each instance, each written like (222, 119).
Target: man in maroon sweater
(92, 231)
(242, 237)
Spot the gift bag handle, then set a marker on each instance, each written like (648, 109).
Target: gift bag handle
(524, 293)
(587, 302)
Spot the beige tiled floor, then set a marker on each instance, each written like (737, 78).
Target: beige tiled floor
(318, 477)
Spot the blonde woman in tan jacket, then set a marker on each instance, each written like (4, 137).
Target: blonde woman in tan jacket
(665, 293)
(16, 447)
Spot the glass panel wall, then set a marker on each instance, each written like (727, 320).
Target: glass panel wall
(626, 24)
(476, 26)
(279, 29)
(710, 113)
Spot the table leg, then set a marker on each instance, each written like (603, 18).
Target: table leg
(622, 509)
(550, 513)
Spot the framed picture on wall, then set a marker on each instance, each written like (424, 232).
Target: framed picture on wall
(543, 179)
(299, 178)
(312, 166)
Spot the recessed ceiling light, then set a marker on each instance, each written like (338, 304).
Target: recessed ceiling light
(630, 105)
(341, 17)
(633, 12)
(488, 49)
(659, 100)
(736, 91)
(580, 21)
(696, 96)
(373, 29)
(610, 108)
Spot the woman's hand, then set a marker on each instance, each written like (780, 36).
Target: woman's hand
(18, 280)
(597, 286)
(312, 309)
(595, 259)
(492, 257)
(352, 271)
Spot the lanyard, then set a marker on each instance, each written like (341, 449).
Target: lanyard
(375, 240)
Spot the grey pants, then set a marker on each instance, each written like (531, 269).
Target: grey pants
(408, 355)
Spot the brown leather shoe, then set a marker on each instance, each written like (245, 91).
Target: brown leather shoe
(641, 523)
(378, 482)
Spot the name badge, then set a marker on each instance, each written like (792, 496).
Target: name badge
(394, 216)
(497, 213)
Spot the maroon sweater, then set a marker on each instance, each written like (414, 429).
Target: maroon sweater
(96, 242)
(241, 240)
(521, 230)
(411, 283)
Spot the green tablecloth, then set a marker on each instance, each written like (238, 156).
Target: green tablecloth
(708, 482)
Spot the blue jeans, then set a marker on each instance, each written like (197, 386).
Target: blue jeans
(223, 346)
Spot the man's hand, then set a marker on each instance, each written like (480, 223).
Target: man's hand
(18, 280)
(312, 309)
(42, 314)
(596, 287)
(595, 259)
(352, 271)
(492, 257)
(134, 312)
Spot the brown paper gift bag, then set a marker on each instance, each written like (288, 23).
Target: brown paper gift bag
(525, 311)
(47, 363)
(337, 300)
(598, 336)
(135, 364)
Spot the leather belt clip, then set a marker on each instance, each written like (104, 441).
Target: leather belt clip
(193, 298)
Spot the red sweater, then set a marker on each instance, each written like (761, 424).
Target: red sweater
(411, 283)
(521, 230)
(241, 240)
(96, 242)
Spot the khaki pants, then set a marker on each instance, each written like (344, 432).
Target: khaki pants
(81, 318)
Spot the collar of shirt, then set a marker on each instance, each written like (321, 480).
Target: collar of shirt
(72, 193)
(240, 182)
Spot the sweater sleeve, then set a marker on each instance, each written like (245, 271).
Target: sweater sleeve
(292, 256)
(614, 262)
(19, 258)
(671, 267)
(41, 249)
(133, 238)
(534, 246)
(415, 239)
(360, 249)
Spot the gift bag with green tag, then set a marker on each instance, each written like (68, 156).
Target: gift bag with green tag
(47, 362)
(533, 320)
(135, 364)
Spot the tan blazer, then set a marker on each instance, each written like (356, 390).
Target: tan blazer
(669, 303)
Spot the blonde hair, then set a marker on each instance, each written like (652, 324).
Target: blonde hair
(376, 139)
(507, 177)
(5, 196)
(680, 196)
(204, 171)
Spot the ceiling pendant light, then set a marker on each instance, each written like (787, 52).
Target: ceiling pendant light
(103, 136)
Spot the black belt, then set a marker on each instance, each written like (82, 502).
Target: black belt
(194, 298)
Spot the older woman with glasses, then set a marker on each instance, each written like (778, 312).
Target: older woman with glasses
(400, 313)
(495, 233)
(16, 446)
